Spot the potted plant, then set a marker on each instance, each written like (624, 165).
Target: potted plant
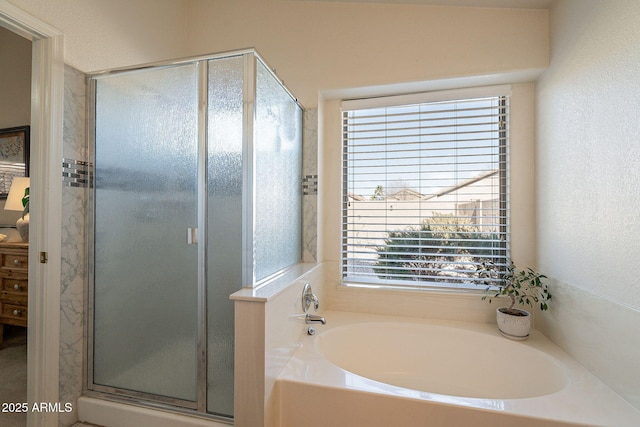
(22, 225)
(525, 287)
(25, 202)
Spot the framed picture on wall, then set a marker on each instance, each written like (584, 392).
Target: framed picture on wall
(14, 156)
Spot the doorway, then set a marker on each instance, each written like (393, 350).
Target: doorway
(46, 188)
(15, 112)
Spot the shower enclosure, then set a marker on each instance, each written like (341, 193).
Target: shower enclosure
(197, 193)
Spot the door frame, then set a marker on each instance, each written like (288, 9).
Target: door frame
(45, 230)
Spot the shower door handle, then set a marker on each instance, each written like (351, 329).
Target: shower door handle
(192, 236)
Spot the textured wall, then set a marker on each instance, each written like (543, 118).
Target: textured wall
(317, 46)
(106, 34)
(588, 181)
(589, 153)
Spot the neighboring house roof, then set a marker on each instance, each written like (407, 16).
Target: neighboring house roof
(464, 184)
(410, 194)
(405, 194)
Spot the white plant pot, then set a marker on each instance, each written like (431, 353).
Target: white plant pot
(23, 228)
(514, 327)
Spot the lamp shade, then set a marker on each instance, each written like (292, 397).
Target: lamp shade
(16, 193)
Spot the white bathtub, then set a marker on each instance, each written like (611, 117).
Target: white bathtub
(367, 370)
(442, 359)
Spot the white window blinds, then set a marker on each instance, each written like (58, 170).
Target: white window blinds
(424, 190)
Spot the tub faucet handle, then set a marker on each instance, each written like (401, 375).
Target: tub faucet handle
(314, 300)
(309, 298)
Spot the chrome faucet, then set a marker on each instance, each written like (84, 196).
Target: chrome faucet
(313, 318)
(309, 298)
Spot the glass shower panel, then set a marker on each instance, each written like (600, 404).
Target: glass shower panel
(278, 174)
(145, 288)
(224, 225)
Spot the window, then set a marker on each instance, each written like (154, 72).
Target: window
(425, 194)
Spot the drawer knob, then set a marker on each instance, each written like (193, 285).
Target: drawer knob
(17, 312)
(17, 287)
(16, 261)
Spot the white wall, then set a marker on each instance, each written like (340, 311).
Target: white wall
(314, 46)
(15, 80)
(269, 329)
(321, 46)
(100, 35)
(588, 180)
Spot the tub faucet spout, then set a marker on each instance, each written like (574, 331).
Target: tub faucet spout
(312, 318)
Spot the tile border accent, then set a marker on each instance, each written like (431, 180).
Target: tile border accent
(310, 185)
(77, 173)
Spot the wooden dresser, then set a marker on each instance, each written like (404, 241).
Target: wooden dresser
(14, 284)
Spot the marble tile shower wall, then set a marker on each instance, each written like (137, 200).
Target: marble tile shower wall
(74, 200)
(310, 186)
(73, 268)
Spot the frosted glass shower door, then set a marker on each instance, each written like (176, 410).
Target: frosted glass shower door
(224, 224)
(146, 275)
(161, 323)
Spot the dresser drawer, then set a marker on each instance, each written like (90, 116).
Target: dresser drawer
(13, 298)
(14, 289)
(14, 284)
(13, 313)
(14, 261)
